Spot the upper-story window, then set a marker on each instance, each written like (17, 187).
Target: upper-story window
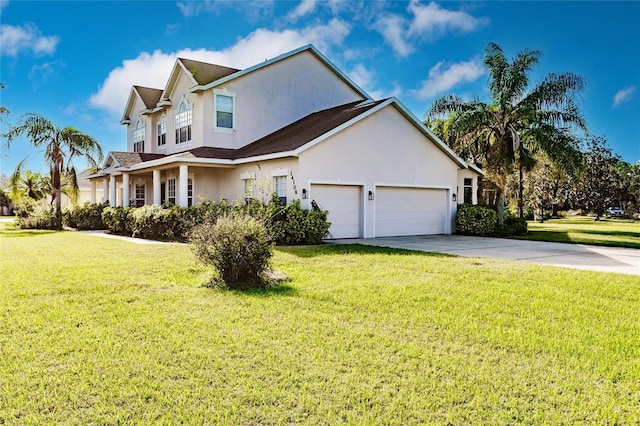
(138, 136)
(183, 122)
(162, 131)
(224, 105)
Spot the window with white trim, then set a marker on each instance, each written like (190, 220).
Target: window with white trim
(468, 190)
(189, 192)
(162, 131)
(248, 187)
(171, 190)
(280, 188)
(139, 195)
(183, 122)
(138, 136)
(225, 111)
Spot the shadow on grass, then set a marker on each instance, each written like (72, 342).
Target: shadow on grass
(281, 290)
(15, 232)
(332, 249)
(563, 237)
(609, 233)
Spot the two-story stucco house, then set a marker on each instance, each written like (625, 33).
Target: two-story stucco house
(294, 125)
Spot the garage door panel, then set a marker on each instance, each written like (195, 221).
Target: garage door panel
(410, 211)
(344, 205)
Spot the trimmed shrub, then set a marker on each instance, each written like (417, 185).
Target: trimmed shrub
(476, 220)
(154, 222)
(512, 226)
(118, 219)
(316, 224)
(38, 215)
(237, 246)
(87, 216)
(290, 224)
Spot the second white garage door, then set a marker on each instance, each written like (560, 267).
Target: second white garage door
(410, 211)
(344, 203)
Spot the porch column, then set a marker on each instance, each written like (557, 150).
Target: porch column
(112, 191)
(474, 190)
(183, 185)
(105, 190)
(126, 190)
(157, 195)
(92, 189)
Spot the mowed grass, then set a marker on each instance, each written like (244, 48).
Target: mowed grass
(101, 331)
(585, 230)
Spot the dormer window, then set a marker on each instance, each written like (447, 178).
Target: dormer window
(138, 136)
(224, 105)
(162, 131)
(183, 122)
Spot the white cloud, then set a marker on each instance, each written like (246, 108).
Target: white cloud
(426, 23)
(623, 95)
(393, 29)
(152, 69)
(432, 20)
(368, 81)
(443, 77)
(41, 73)
(15, 39)
(304, 8)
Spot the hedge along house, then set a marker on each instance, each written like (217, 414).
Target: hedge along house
(296, 126)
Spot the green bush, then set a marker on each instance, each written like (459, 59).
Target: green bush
(290, 224)
(237, 246)
(37, 215)
(87, 216)
(476, 220)
(512, 226)
(154, 222)
(118, 219)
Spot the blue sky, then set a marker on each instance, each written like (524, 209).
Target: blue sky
(75, 61)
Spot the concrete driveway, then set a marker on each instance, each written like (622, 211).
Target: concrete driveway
(595, 258)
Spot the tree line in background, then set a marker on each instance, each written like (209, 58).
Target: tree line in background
(533, 143)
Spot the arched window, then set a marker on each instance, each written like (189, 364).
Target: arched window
(138, 136)
(183, 121)
(162, 131)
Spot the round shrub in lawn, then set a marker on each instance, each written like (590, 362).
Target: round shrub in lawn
(238, 246)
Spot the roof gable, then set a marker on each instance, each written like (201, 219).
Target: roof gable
(149, 97)
(205, 73)
(308, 48)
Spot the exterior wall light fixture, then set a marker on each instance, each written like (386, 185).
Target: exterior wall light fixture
(454, 198)
(304, 193)
(370, 195)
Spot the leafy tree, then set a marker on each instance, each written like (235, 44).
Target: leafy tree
(3, 109)
(518, 122)
(600, 181)
(61, 146)
(629, 188)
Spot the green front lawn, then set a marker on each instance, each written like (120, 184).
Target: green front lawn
(585, 230)
(104, 331)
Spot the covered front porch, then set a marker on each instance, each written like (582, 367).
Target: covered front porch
(174, 184)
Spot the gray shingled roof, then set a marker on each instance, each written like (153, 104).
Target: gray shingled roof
(306, 129)
(128, 159)
(149, 96)
(205, 73)
(289, 138)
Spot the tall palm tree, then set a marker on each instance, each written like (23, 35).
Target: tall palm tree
(61, 146)
(506, 132)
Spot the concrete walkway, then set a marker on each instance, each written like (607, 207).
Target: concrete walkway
(578, 256)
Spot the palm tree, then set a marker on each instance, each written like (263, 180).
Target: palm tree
(518, 121)
(61, 146)
(29, 184)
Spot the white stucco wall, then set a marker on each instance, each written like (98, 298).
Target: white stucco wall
(383, 149)
(231, 184)
(275, 96)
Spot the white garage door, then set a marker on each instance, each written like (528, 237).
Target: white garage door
(344, 205)
(410, 211)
